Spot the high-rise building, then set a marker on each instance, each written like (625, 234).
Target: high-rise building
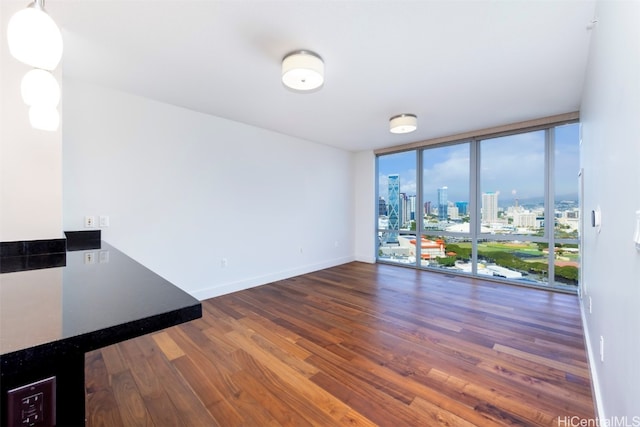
(393, 207)
(412, 207)
(443, 203)
(382, 207)
(452, 212)
(489, 207)
(463, 208)
(427, 208)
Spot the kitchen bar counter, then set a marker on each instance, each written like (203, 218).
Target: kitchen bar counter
(50, 317)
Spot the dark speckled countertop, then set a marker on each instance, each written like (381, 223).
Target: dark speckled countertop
(100, 297)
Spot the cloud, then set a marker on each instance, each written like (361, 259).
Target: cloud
(507, 164)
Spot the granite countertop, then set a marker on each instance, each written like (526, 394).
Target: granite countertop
(100, 297)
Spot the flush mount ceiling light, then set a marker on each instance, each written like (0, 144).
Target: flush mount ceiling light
(34, 38)
(403, 123)
(302, 70)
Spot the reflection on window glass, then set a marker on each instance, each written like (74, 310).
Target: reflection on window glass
(397, 210)
(445, 188)
(512, 184)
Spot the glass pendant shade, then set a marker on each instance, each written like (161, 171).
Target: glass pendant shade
(303, 71)
(34, 38)
(40, 88)
(44, 118)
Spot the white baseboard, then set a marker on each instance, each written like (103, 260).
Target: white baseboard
(594, 359)
(227, 288)
(366, 258)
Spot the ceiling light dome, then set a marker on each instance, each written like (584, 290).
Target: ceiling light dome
(403, 123)
(302, 70)
(34, 38)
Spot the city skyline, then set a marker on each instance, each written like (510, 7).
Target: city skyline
(513, 167)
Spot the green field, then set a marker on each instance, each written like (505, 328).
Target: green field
(526, 257)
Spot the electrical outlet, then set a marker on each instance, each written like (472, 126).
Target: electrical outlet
(89, 257)
(33, 404)
(89, 221)
(104, 220)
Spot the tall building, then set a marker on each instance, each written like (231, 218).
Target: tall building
(453, 212)
(393, 207)
(404, 209)
(427, 208)
(489, 207)
(443, 203)
(463, 208)
(382, 207)
(412, 207)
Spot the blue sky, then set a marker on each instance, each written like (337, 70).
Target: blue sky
(511, 165)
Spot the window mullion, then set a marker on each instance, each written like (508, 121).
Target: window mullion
(474, 191)
(550, 220)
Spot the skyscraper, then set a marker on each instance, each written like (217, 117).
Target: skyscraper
(489, 207)
(427, 208)
(443, 203)
(394, 207)
(463, 207)
(412, 208)
(382, 207)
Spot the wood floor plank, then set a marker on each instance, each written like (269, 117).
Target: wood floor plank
(170, 349)
(103, 410)
(358, 345)
(132, 408)
(158, 403)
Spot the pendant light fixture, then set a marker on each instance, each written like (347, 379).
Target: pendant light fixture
(39, 87)
(44, 118)
(34, 38)
(303, 71)
(403, 123)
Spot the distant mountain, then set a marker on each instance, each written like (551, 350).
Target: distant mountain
(565, 199)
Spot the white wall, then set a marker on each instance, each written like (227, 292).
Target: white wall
(30, 159)
(610, 115)
(365, 205)
(184, 190)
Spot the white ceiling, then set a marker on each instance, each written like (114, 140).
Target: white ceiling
(458, 65)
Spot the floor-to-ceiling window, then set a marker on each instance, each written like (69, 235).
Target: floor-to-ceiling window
(446, 178)
(503, 206)
(397, 208)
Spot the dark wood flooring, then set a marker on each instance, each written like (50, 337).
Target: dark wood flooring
(355, 345)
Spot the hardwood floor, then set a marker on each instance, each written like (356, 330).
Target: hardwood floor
(355, 345)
